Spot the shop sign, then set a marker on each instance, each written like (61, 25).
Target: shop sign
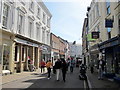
(95, 35)
(109, 23)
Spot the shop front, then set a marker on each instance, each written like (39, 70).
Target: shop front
(25, 50)
(6, 52)
(111, 52)
(94, 55)
(46, 52)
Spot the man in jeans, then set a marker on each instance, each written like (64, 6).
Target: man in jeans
(57, 67)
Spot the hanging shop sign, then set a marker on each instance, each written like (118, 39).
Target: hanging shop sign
(108, 23)
(95, 35)
(89, 37)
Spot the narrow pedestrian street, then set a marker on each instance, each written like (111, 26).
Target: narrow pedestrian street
(38, 80)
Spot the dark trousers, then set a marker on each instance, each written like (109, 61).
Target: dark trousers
(64, 75)
(71, 68)
(42, 69)
(91, 69)
(49, 71)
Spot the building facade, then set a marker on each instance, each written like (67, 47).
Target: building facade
(104, 18)
(54, 47)
(25, 33)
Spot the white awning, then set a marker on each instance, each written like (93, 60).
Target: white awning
(25, 42)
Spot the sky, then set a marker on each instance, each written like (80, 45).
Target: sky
(67, 18)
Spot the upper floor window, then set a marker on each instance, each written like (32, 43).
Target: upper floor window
(43, 36)
(5, 15)
(48, 22)
(32, 6)
(97, 10)
(21, 23)
(43, 17)
(38, 12)
(108, 7)
(38, 32)
(30, 28)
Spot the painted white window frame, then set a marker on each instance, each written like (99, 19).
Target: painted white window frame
(31, 7)
(7, 16)
(30, 27)
(38, 12)
(21, 23)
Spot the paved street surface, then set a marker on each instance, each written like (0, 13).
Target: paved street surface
(38, 80)
(105, 83)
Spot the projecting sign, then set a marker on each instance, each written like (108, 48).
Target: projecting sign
(109, 23)
(95, 35)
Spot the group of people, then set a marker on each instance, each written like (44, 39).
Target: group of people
(59, 65)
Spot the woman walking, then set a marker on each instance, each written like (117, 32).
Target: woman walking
(49, 66)
(64, 69)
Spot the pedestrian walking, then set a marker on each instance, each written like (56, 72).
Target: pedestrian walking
(64, 69)
(72, 63)
(49, 66)
(42, 64)
(101, 64)
(57, 67)
(92, 66)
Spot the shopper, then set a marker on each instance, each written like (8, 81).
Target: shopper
(57, 67)
(42, 64)
(64, 69)
(49, 66)
(72, 63)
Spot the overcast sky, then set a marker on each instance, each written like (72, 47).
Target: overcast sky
(67, 18)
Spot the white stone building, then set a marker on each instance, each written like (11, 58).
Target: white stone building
(25, 33)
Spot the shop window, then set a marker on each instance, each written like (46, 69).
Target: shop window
(6, 57)
(16, 53)
(23, 54)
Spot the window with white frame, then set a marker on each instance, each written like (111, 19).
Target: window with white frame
(30, 28)
(32, 6)
(97, 10)
(38, 12)
(5, 15)
(43, 17)
(48, 22)
(43, 36)
(21, 19)
(37, 32)
(108, 6)
(47, 37)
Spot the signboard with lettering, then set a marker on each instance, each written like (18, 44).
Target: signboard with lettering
(95, 35)
(109, 23)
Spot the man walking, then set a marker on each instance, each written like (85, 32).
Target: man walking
(72, 63)
(57, 67)
(64, 69)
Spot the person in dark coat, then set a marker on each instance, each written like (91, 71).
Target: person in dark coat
(57, 67)
(64, 69)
